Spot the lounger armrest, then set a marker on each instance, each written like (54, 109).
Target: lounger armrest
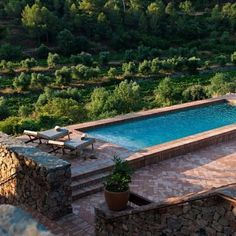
(57, 143)
(31, 133)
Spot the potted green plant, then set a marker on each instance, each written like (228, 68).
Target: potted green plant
(117, 185)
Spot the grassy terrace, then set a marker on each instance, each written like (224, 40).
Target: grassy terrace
(99, 59)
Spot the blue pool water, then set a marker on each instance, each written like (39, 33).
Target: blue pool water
(137, 134)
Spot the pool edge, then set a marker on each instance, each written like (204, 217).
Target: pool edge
(178, 147)
(148, 113)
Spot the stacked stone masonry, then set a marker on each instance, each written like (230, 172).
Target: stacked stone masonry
(208, 216)
(34, 179)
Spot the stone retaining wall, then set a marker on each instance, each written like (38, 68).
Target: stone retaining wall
(211, 215)
(34, 178)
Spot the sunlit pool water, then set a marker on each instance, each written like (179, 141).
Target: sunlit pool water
(137, 134)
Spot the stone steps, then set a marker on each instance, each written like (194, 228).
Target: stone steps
(78, 176)
(84, 185)
(85, 191)
(87, 181)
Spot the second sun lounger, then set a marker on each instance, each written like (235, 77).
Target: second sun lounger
(75, 144)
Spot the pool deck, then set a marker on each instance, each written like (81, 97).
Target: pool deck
(90, 160)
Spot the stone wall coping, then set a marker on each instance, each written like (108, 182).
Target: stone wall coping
(43, 159)
(221, 192)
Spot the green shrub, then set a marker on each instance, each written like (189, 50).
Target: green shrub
(39, 81)
(22, 81)
(100, 106)
(66, 42)
(165, 93)
(3, 65)
(16, 125)
(112, 73)
(120, 177)
(10, 125)
(28, 63)
(194, 92)
(44, 97)
(144, 67)
(155, 65)
(186, 7)
(221, 84)
(49, 121)
(126, 97)
(42, 51)
(84, 72)
(25, 110)
(175, 63)
(73, 93)
(53, 59)
(63, 76)
(82, 58)
(63, 107)
(129, 68)
(27, 124)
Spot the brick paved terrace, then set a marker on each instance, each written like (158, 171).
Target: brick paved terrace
(198, 171)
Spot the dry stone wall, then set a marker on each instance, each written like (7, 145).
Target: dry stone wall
(34, 178)
(211, 216)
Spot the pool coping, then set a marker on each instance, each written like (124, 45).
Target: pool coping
(154, 154)
(148, 113)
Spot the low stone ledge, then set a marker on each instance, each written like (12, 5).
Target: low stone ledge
(207, 213)
(44, 159)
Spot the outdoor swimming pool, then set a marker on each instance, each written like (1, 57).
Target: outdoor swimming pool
(138, 134)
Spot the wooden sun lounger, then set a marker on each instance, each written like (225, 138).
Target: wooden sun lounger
(75, 144)
(50, 134)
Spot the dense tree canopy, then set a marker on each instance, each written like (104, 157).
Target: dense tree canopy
(39, 20)
(119, 21)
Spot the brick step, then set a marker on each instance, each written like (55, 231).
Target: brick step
(79, 176)
(83, 192)
(87, 181)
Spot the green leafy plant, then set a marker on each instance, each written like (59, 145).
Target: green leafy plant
(120, 177)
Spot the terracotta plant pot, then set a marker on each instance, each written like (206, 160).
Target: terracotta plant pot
(116, 201)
